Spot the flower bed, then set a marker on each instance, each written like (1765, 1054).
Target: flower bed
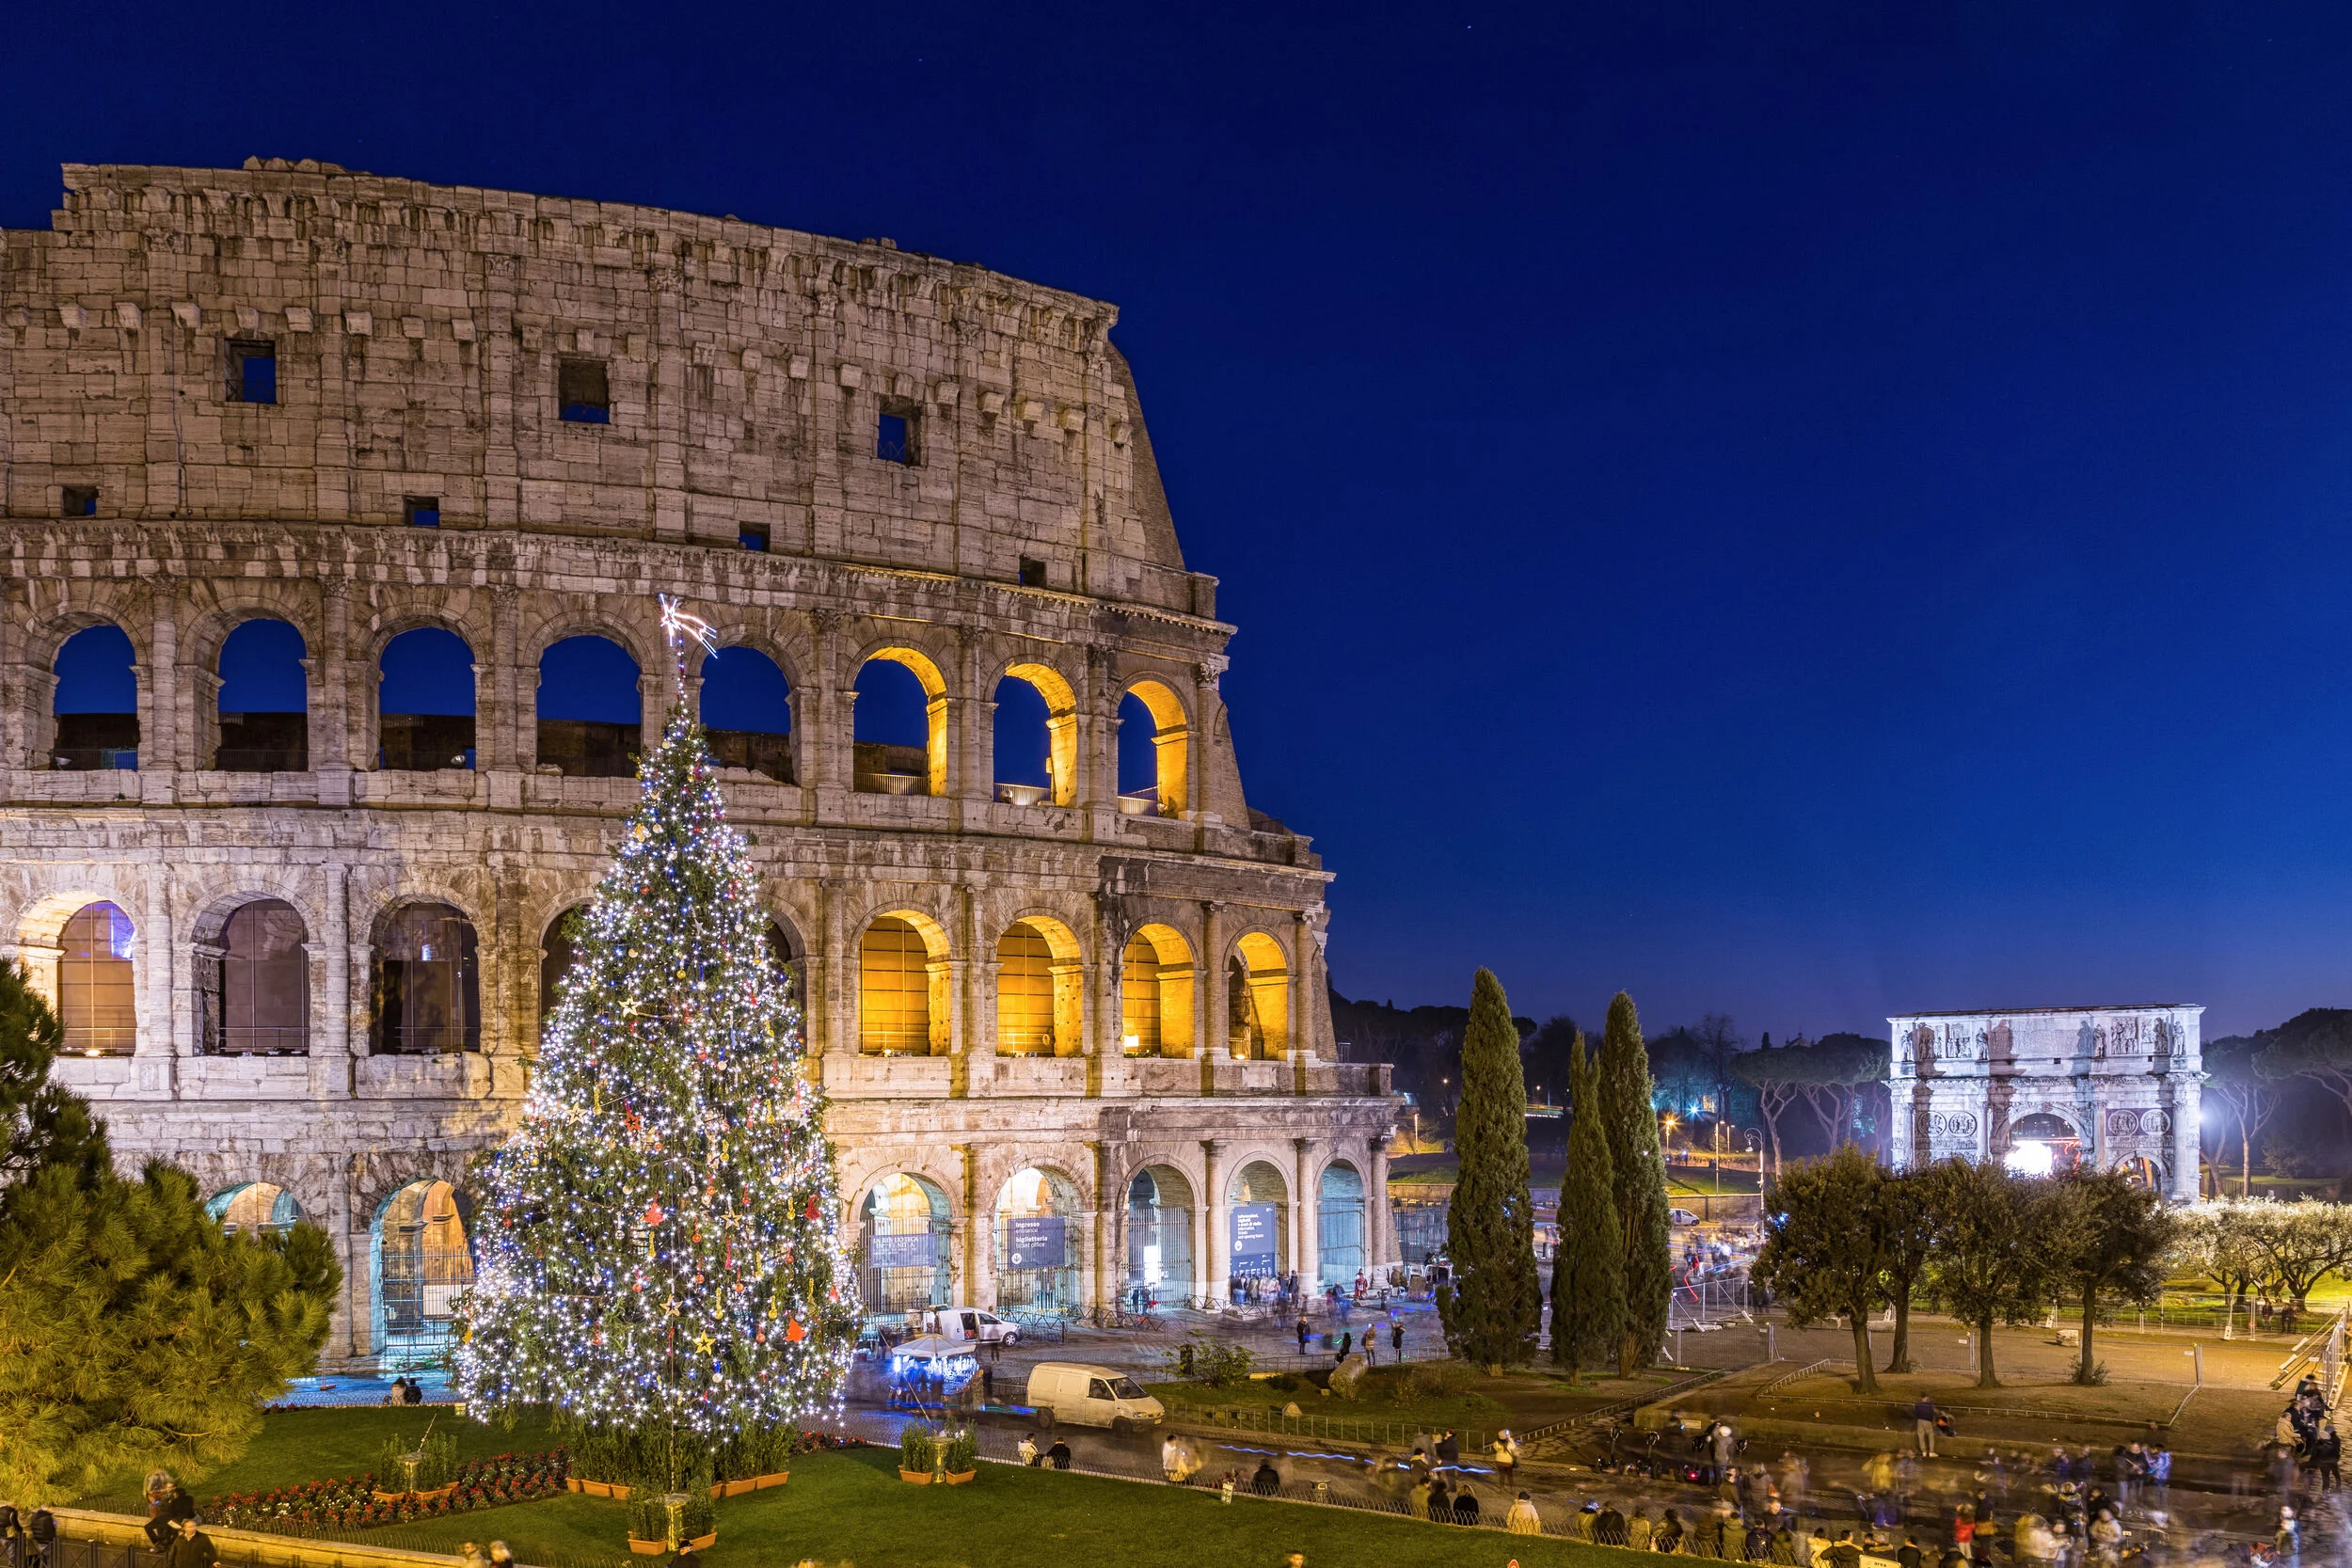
(353, 1502)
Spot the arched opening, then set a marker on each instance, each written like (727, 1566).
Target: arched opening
(1339, 1223)
(1039, 990)
(1159, 1234)
(96, 999)
(96, 703)
(253, 981)
(265, 703)
(425, 701)
(591, 711)
(1155, 976)
(904, 1245)
(1257, 1241)
(256, 1208)
(2143, 1171)
(785, 955)
(559, 949)
(2043, 1144)
(747, 713)
(1154, 752)
(427, 988)
(902, 987)
(1037, 737)
(423, 1261)
(900, 726)
(1037, 1268)
(1257, 998)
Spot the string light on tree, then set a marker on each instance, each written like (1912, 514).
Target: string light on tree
(661, 1249)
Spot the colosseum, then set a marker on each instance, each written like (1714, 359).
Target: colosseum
(338, 508)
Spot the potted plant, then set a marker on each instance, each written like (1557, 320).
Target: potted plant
(960, 1458)
(918, 1453)
(661, 1522)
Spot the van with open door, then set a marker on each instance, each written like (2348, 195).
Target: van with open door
(1092, 1396)
(971, 1324)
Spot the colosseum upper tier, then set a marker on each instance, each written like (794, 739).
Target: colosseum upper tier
(338, 508)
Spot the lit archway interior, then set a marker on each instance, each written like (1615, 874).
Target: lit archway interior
(1037, 736)
(1257, 1241)
(2041, 1144)
(258, 997)
(1159, 1234)
(1037, 1247)
(1256, 997)
(1339, 1223)
(1155, 981)
(902, 987)
(423, 1260)
(97, 996)
(899, 725)
(427, 983)
(1154, 752)
(255, 1208)
(904, 1244)
(1039, 994)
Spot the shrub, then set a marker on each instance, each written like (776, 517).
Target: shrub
(1203, 1359)
(961, 1454)
(756, 1451)
(918, 1448)
(1431, 1380)
(2094, 1377)
(437, 1468)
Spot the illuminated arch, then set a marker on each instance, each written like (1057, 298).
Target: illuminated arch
(1258, 999)
(427, 982)
(903, 992)
(1168, 793)
(1155, 982)
(1062, 733)
(420, 1260)
(97, 992)
(1036, 1207)
(905, 1244)
(878, 764)
(1039, 990)
(1160, 1208)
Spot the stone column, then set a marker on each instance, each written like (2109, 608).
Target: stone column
(980, 1206)
(829, 983)
(333, 742)
(653, 691)
(1217, 1023)
(156, 1069)
(1379, 1224)
(2184, 1103)
(162, 725)
(345, 1335)
(1218, 1254)
(1308, 1227)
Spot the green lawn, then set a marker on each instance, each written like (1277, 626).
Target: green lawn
(1466, 1411)
(850, 1506)
(322, 1444)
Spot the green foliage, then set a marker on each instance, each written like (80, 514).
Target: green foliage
(650, 1514)
(1588, 1316)
(756, 1451)
(133, 1332)
(1825, 1250)
(1637, 1168)
(918, 1446)
(661, 1234)
(1493, 1307)
(1908, 1230)
(1430, 1379)
(1204, 1358)
(960, 1453)
(1995, 1244)
(2111, 1239)
(437, 1462)
(2090, 1375)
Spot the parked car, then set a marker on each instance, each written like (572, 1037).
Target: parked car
(971, 1324)
(1092, 1396)
(1681, 1216)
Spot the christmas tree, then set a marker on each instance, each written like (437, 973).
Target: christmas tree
(661, 1256)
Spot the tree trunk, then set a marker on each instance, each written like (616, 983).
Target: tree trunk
(2246, 1162)
(1984, 1355)
(1898, 1358)
(1866, 1377)
(1626, 1349)
(2091, 1318)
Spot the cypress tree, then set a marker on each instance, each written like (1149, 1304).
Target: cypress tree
(1494, 1305)
(1640, 1169)
(1588, 1267)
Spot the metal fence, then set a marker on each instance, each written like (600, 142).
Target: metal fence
(1709, 1302)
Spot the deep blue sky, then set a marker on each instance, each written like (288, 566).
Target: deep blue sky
(1800, 516)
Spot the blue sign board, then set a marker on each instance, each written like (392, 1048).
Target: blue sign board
(915, 1249)
(1036, 1242)
(1254, 1251)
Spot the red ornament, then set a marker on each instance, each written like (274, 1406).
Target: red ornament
(653, 1215)
(813, 1210)
(794, 1333)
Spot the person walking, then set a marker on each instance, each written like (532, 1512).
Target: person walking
(193, 1549)
(1396, 1338)
(1523, 1519)
(1303, 1334)
(164, 1525)
(2326, 1456)
(1347, 1343)
(1923, 1415)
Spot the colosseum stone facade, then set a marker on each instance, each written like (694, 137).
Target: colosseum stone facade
(311, 477)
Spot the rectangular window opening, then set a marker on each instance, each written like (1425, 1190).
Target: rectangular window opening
(582, 395)
(1032, 572)
(252, 370)
(753, 536)
(78, 500)
(420, 510)
(894, 432)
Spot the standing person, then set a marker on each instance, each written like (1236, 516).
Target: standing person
(1506, 1456)
(40, 1536)
(2327, 1455)
(1794, 1474)
(11, 1536)
(2160, 1474)
(1726, 1447)
(192, 1549)
(1347, 1343)
(1449, 1450)
(1923, 1426)
(164, 1522)
(1523, 1519)
(1302, 1333)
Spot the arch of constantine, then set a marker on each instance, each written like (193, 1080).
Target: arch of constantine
(324, 495)
(2110, 1087)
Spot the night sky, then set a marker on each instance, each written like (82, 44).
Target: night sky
(1801, 517)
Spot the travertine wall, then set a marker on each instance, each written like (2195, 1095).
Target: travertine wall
(2125, 1081)
(417, 331)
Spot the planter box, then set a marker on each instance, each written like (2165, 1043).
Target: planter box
(957, 1478)
(915, 1477)
(421, 1497)
(596, 1488)
(655, 1548)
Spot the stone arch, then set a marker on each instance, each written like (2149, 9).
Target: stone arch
(878, 766)
(754, 698)
(1162, 1208)
(1156, 974)
(585, 738)
(254, 1208)
(246, 725)
(95, 979)
(1060, 736)
(1258, 997)
(1258, 1184)
(426, 980)
(904, 1223)
(1170, 793)
(904, 989)
(100, 722)
(421, 1260)
(557, 953)
(1039, 1216)
(1041, 989)
(251, 988)
(1342, 1235)
(433, 673)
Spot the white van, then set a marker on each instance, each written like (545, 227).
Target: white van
(1092, 1396)
(970, 1324)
